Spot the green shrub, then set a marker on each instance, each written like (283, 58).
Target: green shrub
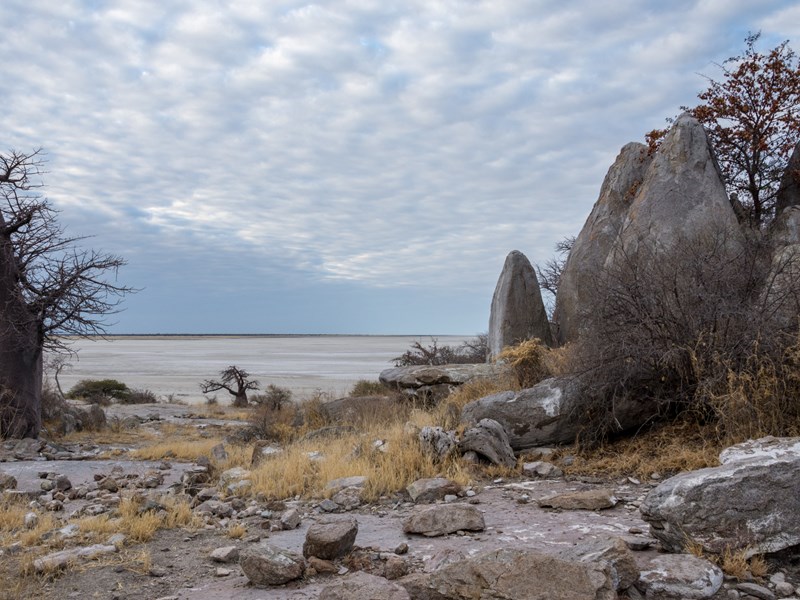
(99, 391)
(364, 387)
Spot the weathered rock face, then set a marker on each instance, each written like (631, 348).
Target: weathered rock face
(680, 577)
(594, 243)
(544, 414)
(363, 586)
(441, 519)
(750, 502)
(269, 565)
(591, 499)
(489, 439)
(436, 382)
(425, 491)
(519, 574)
(789, 190)
(613, 552)
(518, 312)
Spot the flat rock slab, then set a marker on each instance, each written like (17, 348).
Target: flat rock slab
(59, 560)
(513, 573)
(363, 586)
(442, 519)
(679, 576)
(592, 499)
(425, 491)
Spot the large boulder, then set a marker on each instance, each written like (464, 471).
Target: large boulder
(595, 241)
(330, 538)
(489, 440)
(441, 519)
(436, 381)
(749, 503)
(682, 195)
(517, 312)
(514, 573)
(680, 577)
(269, 565)
(548, 413)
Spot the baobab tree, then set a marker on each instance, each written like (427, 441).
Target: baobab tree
(49, 288)
(233, 380)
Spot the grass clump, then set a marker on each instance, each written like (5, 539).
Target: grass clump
(365, 387)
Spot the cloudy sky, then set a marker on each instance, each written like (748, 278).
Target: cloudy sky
(351, 166)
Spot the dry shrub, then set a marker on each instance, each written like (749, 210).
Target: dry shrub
(276, 423)
(447, 413)
(528, 362)
(666, 449)
(364, 387)
(236, 532)
(314, 416)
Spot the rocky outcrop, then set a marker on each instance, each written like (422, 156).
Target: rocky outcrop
(426, 382)
(514, 573)
(517, 312)
(748, 503)
(595, 241)
(682, 195)
(545, 414)
(789, 190)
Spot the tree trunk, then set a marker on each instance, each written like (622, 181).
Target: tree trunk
(20, 355)
(240, 400)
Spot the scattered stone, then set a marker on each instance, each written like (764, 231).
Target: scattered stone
(330, 538)
(31, 520)
(489, 439)
(262, 451)
(59, 560)
(436, 442)
(541, 469)
(157, 571)
(62, 483)
(225, 554)
(784, 589)
(395, 568)
(328, 506)
(233, 475)
(363, 586)
(401, 548)
(267, 565)
(356, 481)
(222, 572)
(348, 498)
(219, 453)
(513, 573)
(425, 491)
(323, 567)
(517, 312)
(593, 499)
(679, 576)
(290, 519)
(439, 520)
(750, 502)
(759, 591)
(7, 482)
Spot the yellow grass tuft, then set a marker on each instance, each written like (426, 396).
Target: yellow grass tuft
(179, 449)
(237, 531)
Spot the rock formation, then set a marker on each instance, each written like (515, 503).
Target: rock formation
(429, 382)
(518, 312)
(789, 190)
(596, 239)
(748, 503)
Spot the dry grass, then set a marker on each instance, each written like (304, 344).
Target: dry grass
(35, 536)
(142, 526)
(668, 449)
(180, 449)
(236, 532)
(295, 473)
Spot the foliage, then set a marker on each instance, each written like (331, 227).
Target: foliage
(99, 391)
(752, 116)
(471, 351)
(364, 387)
(275, 396)
(233, 380)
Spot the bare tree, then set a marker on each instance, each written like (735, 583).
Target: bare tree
(233, 380)
(48, 288)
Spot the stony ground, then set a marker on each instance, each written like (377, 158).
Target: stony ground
(177, 563)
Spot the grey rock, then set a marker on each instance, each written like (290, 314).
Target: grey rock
(269, 565)
(363, 586)
(219, 453)
(331, 538)
(348, 498)
(62, 483)
(59, 560)
(784, 589)
(489, 439)
(436, 520)
(541, 469)
(613, 552)
(595, 241)
(517, 312)
(789, 190)
(427, 382)
(7, 482)
(290, 519)
(759, 591)
(750, 502)
(262, 451)
(513, 573)
(679, 576)
(425, 491)
(356, 481)
(592, 499)
(328, 506)
(225, 554)
(436, 442)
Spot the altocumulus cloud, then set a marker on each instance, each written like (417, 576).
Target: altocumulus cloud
(389, 149)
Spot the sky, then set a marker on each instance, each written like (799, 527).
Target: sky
(351, 166)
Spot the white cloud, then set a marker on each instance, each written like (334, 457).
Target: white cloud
(350, 141)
